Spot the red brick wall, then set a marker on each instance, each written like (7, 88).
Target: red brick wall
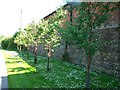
(112, 20)
(106, 61)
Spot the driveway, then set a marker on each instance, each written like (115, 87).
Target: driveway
(3, 73)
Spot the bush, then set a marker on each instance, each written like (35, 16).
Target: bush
(8, 43)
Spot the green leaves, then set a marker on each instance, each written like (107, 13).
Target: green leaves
(44, 32)
(51, 26)
(89, 16)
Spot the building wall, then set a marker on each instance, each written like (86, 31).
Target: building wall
(105, 60)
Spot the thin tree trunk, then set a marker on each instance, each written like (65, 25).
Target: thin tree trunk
(66, 46)
(88, 73)
(89, 54)
(71, 10)
(18, 48)
(88, 64)
(65, 56)
(27, 52)
(35, 54)
(49, 56)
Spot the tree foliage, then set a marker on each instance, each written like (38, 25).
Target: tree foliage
(89, 16)
(51, 36)
(8, 43)
(45, 32)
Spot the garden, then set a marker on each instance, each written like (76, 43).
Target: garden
(23, 73)
(28, 69)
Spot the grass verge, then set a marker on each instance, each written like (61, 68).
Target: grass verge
(23, 73)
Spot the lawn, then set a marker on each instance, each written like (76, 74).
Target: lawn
(23, 73)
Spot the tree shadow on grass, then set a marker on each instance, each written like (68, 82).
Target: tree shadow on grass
(14, 58)
(29, 78)
(30, 60)
(12, 62)
(20, 69)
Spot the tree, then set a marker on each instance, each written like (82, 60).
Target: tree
(65, 33)
(51, 35)
(89, 16)
(22, 39)
(8, 43)
(26, 41)
(34, 34)
(19, 40)
(65, 30)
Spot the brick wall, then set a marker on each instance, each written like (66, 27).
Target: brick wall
(105, 60)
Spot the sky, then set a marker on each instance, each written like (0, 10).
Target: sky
(32, 10)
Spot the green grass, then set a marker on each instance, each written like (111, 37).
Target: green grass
(23, 73)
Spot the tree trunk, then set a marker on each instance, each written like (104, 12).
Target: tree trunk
(27, 52)
(71, 10)
(49, 56)
(18, 48)
(88, 64)
(35, 54)
(88, 73)
(89, 60)
(65, 56)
